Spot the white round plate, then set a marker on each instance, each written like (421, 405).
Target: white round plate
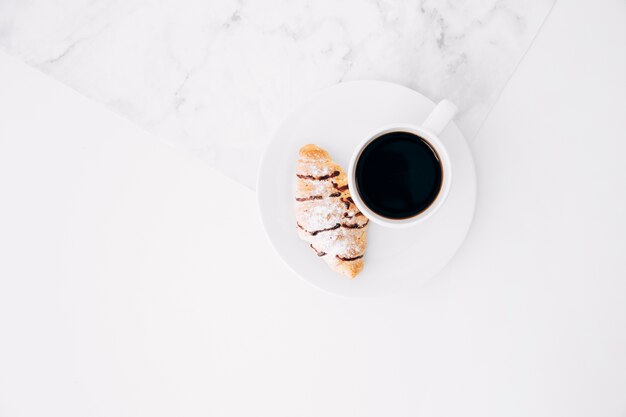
(337, 119)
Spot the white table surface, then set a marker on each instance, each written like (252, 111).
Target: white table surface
(135, 281)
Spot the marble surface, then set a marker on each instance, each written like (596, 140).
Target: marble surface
(216, 77)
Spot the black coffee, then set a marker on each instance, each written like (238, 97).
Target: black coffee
(398, 175)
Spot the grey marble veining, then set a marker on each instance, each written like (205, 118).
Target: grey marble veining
(216, 77)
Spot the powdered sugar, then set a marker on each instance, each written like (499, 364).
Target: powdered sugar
(342, 242)
(310, 188)
(326, 216)
(315, 169)
(320, 214)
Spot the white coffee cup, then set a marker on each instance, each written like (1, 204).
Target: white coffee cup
(429, 132)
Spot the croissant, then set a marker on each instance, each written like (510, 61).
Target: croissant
(326, 217)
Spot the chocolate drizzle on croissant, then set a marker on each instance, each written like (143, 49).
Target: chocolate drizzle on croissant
(319, 252)
(348, 259)
(318, 178)
(342, 188)
(335, 227)
(312, 197)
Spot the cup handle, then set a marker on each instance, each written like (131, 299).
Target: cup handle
(439, 118)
